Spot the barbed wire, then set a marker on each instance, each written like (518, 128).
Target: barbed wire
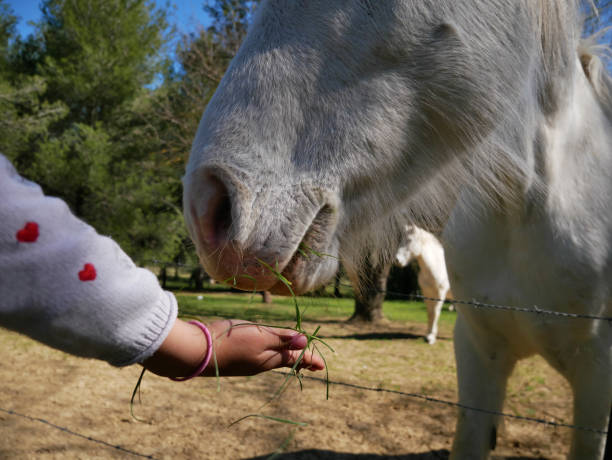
(473, 303)
(449, 403)
(330, 382)
(470, 303)
(74, 433)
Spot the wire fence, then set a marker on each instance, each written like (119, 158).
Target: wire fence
(74, 433)
(477, 305)
(469, 303)
(329, 382)
(450, 403)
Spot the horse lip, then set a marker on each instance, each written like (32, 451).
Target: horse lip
(290, 273)
(250, 271)
(315, 241)
(288, 285)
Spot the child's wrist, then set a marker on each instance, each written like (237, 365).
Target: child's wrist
(182, 353)
(208, 354)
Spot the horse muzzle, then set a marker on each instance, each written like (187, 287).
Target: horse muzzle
(257, 236)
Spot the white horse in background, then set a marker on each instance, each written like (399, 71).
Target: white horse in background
(423, 246)
(335, 115)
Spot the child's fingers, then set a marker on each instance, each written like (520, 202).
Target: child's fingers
(309, 361)
(297, 342)
(290, 340)
(312, 362)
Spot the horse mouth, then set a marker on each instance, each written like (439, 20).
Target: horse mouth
(304, 270)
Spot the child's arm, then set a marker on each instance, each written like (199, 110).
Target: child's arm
(240, 348)
(65, 285)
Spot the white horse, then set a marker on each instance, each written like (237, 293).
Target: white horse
(493, 113)
(421, 245)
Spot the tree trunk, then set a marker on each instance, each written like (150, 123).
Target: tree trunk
(337, 293)
(197, 276)
(163, 275)
(370, 292)
(266, 297)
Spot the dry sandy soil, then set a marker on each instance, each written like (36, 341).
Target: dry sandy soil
(86, 405)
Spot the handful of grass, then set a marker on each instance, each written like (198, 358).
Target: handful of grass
(312, 344)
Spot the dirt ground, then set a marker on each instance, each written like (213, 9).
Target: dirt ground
(86, 406)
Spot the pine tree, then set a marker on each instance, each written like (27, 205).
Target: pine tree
(98, 60)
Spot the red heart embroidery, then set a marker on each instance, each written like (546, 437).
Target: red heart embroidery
(29, 233)
(88, 273)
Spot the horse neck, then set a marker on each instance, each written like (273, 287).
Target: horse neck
(576, 136)
(571, 155)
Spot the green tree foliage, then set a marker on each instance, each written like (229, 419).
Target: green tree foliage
(25, 115)
(94, 112)
(88, 72)
(7, 32)
(203, 58)
(230, 20)
(175, 109)
(99, 54)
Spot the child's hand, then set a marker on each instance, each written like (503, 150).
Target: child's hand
(244, 348)
(241, 348)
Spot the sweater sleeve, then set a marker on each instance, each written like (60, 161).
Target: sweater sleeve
(63, 284)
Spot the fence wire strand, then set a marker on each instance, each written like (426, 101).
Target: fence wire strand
(475, 304)
(74, 433)
(470, 303)
(449, 403)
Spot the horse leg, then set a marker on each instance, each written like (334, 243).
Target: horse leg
(449, 296)
(483, 368)
(434, 307)
(590, 375)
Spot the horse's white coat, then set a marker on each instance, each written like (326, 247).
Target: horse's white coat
(433, 280)
(489, 115)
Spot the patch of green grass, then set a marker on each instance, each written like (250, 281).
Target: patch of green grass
(315, 309)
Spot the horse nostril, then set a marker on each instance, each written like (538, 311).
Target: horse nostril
(217, 219)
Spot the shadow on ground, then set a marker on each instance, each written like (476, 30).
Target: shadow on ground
(316, 454)
(381, 336)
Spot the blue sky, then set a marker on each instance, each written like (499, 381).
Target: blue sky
(186, 15)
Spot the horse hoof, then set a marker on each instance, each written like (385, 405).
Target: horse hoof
(430, 339)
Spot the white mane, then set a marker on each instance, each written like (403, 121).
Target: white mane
(592, 56)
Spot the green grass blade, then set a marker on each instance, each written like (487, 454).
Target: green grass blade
(268, 417)
(326, 372)
(137, 391)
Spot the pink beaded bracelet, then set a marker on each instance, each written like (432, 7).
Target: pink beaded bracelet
(206, 359)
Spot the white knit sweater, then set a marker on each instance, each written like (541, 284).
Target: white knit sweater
(66, 286)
